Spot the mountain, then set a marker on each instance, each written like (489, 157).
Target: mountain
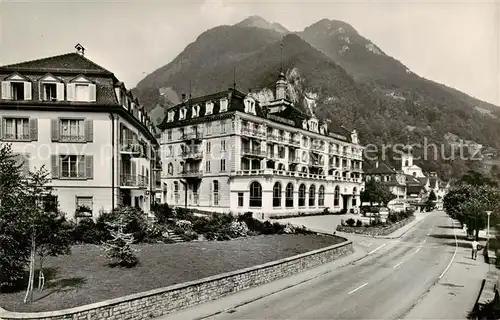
(335, 73)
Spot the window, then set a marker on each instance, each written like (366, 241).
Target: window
(208, 146)
(16, 129)
(255, 194)
(17, 90)
(176, 192)
(302, 195)
(209, 128)
(289, 195)
(277, 195)
(207, 166)
(49, 92)
(321, 196)
(82, 92)
(49, 203)
(170, 151)
(72, 130)
(216, 192)
(84, 206)
(222, 164)
(336, 196)
(223, 145)
(169, 135)
(312, 195)
(354, 200)
(223, 127)
(72, 166)
(240, 199)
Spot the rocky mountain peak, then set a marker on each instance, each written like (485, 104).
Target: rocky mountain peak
(259, 22)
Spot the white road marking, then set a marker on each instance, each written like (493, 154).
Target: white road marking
(358, 288)
(418, 249)
(425, 240)
(376, 249)
(398, 264)
(454, 254)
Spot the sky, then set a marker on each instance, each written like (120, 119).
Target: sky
(456, 43)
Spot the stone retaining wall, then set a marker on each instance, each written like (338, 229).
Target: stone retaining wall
(376, 231)
(166, 300)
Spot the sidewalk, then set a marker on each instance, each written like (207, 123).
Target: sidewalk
(224, 304)
(455, 294)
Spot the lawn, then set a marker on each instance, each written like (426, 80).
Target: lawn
(84, 276)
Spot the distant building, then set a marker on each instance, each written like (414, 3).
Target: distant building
(75, 118)
(227, 152)
(394, 179)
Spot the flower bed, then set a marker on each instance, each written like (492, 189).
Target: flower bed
(379, 230)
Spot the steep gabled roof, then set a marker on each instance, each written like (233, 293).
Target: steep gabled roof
(413, 189)
(381, 169)
(69, 62)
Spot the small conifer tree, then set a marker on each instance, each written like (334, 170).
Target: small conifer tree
(118, 248)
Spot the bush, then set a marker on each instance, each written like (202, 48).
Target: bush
(359, 223)
(86, 231)
(134, 219)
(162, 213)
(343, 211)
(350, 222)
(183, 214)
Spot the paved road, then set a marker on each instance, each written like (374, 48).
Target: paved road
(385, 285)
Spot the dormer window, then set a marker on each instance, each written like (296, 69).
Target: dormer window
(182, 113)
(249, 105)
(81, 89)
(209, 108)
(16, 87)
(195, 111)
(170, 116)
(223, 105)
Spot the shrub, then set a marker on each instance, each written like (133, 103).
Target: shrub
(183, 214)
(350, 222)
(359, 223)
(135, 222)
(162, 212)
(86, 231)
(342, 222)
(343, 211)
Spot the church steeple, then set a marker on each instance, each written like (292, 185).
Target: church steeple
(281, 84)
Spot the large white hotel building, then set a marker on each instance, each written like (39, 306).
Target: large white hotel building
(226, 152)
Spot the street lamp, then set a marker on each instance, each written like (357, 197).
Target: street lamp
(488, 230)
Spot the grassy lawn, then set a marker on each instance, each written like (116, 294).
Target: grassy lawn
(84, 276)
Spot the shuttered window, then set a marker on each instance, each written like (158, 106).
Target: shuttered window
(72, 166)
(72, 130)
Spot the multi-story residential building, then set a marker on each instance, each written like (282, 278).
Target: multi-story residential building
(227, 152)
(394, 179)
(75, 118)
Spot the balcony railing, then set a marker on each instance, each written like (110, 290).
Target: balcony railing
(133, 181)
(192, 154)
(130, 146)
(191, 173)
(192, 135)
(10, 136)
(253, 152)
(72, 138)
(252, 132)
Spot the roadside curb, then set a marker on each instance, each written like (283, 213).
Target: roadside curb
(397, 237)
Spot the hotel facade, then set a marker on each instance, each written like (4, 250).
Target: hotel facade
(227, 152)
(75, 118)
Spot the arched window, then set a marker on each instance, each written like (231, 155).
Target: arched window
(170, 168)
(336, 196)
(277, 195)
(302, 195)
(321, 196)
(289, 195)
(216, 192)
(312, 195)
(255, 194)
(406, 163)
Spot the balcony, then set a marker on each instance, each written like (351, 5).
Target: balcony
(191, 174)
(194, 135)
(133, 181)
(316, 163)
(72, 138)
(131, 147)
(17, 137)
(346, 168)
(274, 156)
(252, 132)
(158, 165)
(253, 152)
(195, 154)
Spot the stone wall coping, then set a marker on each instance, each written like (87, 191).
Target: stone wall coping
(136, 296)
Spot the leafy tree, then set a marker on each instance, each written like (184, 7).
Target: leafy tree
(45, 227)
(14, 246)
(476, 178)
(376, 192)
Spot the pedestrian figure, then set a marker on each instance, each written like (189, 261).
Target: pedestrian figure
(475, 244)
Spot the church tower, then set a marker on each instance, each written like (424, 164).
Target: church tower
(406, 158)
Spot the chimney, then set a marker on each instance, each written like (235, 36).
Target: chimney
(80, 49)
